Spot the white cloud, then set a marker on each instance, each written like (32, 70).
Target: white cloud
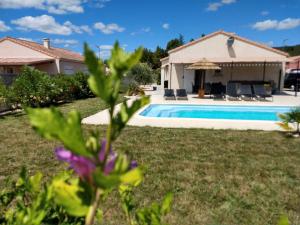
(109, 28)
(214, 6)
(265, 25)
(26, 39)
(4, 27)
(101, 3)
(65, 42)
(52, 6)
(228, 1)
(288, 23)
(166, 26)
(106, 47)
(44, 23)
(78, 29)
(141, 31)
(47, 24)
(265, 13)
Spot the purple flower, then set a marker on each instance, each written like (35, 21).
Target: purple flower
(84, 166)
(133, 164)
(101, 154)
(81, 165)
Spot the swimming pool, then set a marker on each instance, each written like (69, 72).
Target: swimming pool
(230, 112)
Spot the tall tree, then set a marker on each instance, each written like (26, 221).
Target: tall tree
(147, 57)
(174, 43)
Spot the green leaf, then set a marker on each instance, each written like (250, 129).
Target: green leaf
(121, 62)
(285, 126)
(35, 182)
(106, 181)
(51, 124)
(73, 197)
(283, 220)
(125, 114)
(166, 204)
(133, 177)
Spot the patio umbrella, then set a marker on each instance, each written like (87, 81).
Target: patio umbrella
(204, 64)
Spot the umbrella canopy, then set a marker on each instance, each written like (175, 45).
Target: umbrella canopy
(204, 64)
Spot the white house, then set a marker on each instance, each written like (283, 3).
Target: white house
(239, 59)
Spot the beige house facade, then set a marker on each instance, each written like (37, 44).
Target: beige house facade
(16, 53)
(239, 59)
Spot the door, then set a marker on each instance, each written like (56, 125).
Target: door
(199, 80)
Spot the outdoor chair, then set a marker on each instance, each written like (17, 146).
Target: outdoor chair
(261, 93)
(207, 88)
(169, 94)
(246, 92)
(181, 94)
(217, 91)
(232, 91)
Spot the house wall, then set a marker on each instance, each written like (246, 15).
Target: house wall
(295, 64)
(49, 67)
(215, 48)
(68, 67)
(10, 49)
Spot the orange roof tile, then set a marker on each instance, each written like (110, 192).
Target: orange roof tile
(58, 53)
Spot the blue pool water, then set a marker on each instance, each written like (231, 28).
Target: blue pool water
(268, 113)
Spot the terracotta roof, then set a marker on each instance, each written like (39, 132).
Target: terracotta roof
(58, 53)
(23, 61)
(229, 35)
(295, 57)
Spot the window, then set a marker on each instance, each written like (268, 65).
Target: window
(10, 70)
(68, 70)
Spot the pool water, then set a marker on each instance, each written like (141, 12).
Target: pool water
(266, 113)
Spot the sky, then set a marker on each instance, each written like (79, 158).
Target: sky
(134, 23)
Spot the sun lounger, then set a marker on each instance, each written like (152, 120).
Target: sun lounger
(169, 94)
(246, 92)
(232, 91)
(217, 91)
(181, 94)
(261, 93)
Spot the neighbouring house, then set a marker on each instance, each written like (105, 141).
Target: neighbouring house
(237, 58)
(16, 53)
(294, 63)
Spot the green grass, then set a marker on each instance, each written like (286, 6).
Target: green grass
(217, 176)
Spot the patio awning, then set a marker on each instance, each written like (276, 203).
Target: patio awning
(22, 61)
(204, 64)
(232, 60)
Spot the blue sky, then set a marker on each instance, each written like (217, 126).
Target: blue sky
(69, 23)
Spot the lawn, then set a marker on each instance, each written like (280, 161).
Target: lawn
(218, 177)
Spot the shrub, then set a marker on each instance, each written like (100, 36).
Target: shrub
(141, 73)
(134, 89)
(83, 89)
(32, 88)
(64, 88)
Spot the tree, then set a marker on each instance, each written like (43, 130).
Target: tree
(147, 57)
(157, 56)
(174, 43)
(141, 73)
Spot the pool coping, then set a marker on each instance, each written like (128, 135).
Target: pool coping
(102, 118)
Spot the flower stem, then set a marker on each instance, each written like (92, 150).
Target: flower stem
(89, 220)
